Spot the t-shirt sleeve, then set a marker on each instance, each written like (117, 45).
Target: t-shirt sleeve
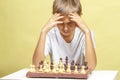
(47, 50)
(93, 40)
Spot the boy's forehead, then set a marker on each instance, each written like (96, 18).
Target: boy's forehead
(66, 18)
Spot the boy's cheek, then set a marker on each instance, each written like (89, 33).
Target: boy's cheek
(59, 26)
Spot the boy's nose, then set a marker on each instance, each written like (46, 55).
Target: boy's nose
(65, 27)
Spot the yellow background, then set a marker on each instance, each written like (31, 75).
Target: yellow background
(21, 22)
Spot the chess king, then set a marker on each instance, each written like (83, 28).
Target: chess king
(66, 34)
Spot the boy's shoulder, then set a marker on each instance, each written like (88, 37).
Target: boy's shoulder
(53, 31)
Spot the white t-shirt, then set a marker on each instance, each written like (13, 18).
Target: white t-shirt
(57, 47)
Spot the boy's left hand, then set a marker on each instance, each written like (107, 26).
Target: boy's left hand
(78, 20)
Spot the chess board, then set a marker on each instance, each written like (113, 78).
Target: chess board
(56, 75)
(53, 70)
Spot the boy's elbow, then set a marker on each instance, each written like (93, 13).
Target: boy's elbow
(92, 66)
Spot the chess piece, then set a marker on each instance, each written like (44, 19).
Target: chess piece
(72, 65)
(32, 68)
(68, 70)
(54, 67)
(44, 66)
(47, 67)
(86, 67)
(62, 69)
(61, 66)
(51, 65)
(60, 63)
(57, 69)
(41, 63)
(41, 70)
(76, 70)
(78, 67)
(66, 63)
(41, 66)
(66, 59)
(83, 70)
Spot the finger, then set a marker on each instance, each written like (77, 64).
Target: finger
(72, 16)
(58, 18)
(74, 20)
(56, 15)
(59, 22)
(75, 13)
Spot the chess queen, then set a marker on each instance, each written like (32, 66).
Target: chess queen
(66, 34)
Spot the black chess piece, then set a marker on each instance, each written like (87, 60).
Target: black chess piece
(78, 67)
(51, 65)
(40, 63)
(66, 62)
(72, 67)
(61, 59)
(85, 64)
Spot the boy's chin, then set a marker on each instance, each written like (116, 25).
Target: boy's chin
(65, 34)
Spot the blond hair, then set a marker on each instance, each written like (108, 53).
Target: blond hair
(67, 6)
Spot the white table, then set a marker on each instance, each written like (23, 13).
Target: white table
(96, 75)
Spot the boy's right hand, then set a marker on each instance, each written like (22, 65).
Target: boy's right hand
(52, 22)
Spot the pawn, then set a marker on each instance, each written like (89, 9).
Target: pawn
(41, 63)
(48, 67)
(41, 70)
(76, 69)
(51, 65)
(54, 67)
(57, 69)
(86, 67)
(63, 68)
(66, 60)
(83, 70)
(68, 70)
(72, 65)
(32, 68)
(44, 66)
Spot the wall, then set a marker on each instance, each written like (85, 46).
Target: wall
(21, 22)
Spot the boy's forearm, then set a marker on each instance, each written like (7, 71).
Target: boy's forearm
(39, 51)
(90, 55)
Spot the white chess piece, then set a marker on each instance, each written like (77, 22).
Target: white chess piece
(54, 67)
(32, 68)
(83, 70)
(41, 70)
(68, 68)
(75, 71)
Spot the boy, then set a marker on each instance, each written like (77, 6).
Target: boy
(66, 34)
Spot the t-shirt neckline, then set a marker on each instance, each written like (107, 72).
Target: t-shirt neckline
(63, 39)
